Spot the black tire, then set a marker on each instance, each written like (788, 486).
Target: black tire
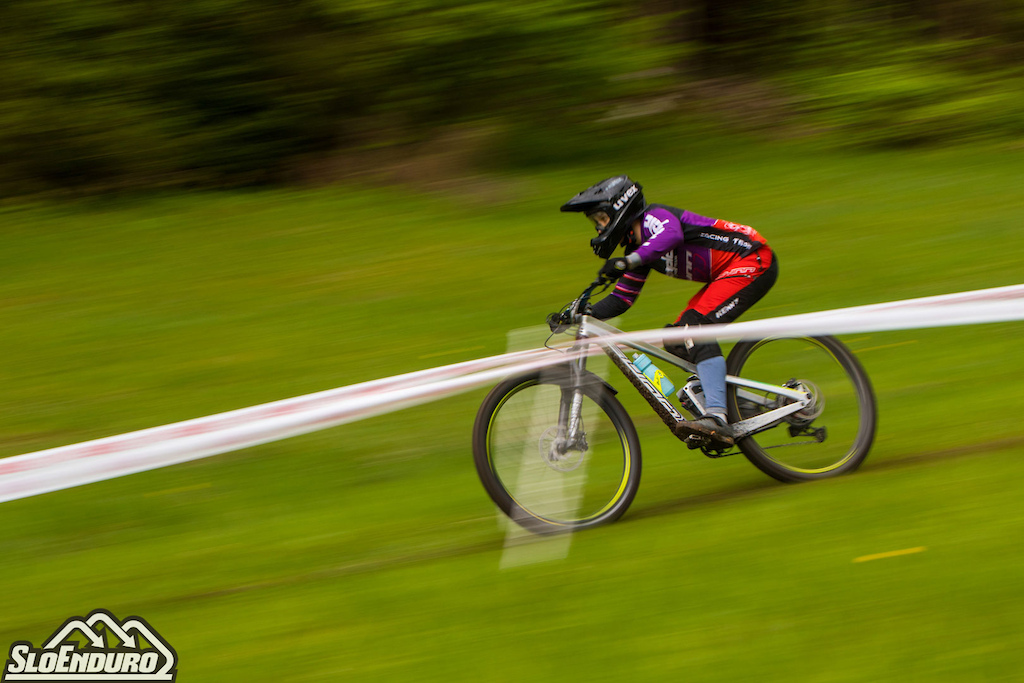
(547, 493)
(843, 418)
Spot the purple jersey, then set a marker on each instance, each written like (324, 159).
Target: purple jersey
(685, 245)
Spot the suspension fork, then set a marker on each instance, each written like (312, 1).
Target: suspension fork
(570, 408)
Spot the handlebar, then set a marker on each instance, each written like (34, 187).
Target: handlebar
(583, 301)
(574, 310)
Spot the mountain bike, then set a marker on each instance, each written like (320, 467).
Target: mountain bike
(556, 450)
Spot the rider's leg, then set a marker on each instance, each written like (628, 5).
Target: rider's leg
(711, 373)
(708, 358)
(722, 301)
(710, 362)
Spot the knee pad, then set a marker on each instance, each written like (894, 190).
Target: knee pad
(695, 352)
(678, 349)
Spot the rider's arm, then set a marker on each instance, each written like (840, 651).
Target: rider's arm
(664, 233)
(627, 289)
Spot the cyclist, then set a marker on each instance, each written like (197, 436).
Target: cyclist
(733, 260)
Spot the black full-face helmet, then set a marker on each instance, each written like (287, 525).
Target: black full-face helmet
(621, 200)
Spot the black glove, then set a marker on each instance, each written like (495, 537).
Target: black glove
(613, 269)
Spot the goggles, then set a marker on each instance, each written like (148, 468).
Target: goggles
(600, 219)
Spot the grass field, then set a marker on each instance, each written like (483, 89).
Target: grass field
(370, 551)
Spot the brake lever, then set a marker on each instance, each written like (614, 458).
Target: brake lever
(555, 322)
(561, 321)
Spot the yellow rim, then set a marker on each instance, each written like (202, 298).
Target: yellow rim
(852, 451)
(627, 454)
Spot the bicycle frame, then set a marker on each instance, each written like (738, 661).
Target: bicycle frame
(537, 468)
(591, 331)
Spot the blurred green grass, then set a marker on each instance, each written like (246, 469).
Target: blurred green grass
(370, 552)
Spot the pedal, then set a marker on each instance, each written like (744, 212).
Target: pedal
(695, 441)
(819, 434)
(716, 453)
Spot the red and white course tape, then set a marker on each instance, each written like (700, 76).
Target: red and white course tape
(54, 469)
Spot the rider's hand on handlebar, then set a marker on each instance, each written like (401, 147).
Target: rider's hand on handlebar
(612, 269)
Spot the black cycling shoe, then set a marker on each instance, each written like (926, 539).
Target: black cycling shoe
(710, 426)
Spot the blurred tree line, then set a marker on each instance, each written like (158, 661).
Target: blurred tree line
(141, 93)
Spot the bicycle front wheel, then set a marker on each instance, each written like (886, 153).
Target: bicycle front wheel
(532, 476)
(830, 436)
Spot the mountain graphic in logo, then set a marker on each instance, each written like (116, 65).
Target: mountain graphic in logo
(96, 648)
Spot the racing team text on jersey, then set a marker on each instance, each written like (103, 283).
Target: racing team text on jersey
(686, 245)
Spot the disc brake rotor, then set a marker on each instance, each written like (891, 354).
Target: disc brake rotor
(554, 453)
(809, 412)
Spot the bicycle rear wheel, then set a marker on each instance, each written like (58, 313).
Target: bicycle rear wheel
(524, 472)
(829, 437)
